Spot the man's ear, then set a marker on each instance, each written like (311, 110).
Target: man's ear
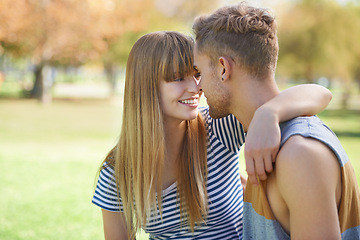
(227, 65)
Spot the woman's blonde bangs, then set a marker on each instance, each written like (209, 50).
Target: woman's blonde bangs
(178, 60)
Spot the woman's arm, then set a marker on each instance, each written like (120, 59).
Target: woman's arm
(114, 225)
(300, 100)
(263, 136)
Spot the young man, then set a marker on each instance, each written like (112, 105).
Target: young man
(312, 192)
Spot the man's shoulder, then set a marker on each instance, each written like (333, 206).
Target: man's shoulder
(305, 126)
(304, 160)
(299, 150)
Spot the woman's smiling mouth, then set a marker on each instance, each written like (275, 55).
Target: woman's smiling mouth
(192, 101)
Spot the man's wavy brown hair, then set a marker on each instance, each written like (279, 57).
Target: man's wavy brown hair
(244, 33)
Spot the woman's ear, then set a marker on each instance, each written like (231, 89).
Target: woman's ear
(227, 66)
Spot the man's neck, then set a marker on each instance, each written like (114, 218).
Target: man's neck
(249, 95)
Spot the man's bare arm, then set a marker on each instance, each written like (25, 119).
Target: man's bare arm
(309, 180)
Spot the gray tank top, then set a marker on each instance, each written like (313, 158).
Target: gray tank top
(259, 221)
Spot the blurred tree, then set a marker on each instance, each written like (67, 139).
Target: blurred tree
(48, 32)
(183, 10)
(155, 15)
(319, 38)
(63, 32)
(130, 19)
(73, 32)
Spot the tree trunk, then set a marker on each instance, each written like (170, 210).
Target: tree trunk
(43, 83)
(37, 90)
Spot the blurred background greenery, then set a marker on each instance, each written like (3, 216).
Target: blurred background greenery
(62, 65)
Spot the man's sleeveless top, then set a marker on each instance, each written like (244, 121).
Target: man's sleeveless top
(225, 193)
(259, 220)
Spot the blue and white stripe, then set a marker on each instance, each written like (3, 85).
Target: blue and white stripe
(225, 217)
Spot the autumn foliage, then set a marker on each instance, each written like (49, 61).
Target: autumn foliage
(66, 31)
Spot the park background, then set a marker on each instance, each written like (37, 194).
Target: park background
(62, 66)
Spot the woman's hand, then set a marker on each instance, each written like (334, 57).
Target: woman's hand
(262, 144)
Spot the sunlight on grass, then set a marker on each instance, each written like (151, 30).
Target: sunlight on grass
(51, 155)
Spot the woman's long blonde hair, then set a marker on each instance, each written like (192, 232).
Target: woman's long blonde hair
(139, 158)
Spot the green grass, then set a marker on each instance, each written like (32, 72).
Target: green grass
(49, 156)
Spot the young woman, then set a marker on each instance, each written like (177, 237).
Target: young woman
(175, 171)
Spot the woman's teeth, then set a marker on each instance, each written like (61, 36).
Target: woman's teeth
(192, 101)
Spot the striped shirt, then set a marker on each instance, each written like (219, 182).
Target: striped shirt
(225, 193)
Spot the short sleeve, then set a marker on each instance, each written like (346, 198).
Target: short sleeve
(105, 195)
(228, 130)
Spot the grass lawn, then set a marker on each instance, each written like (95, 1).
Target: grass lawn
(49, 157)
